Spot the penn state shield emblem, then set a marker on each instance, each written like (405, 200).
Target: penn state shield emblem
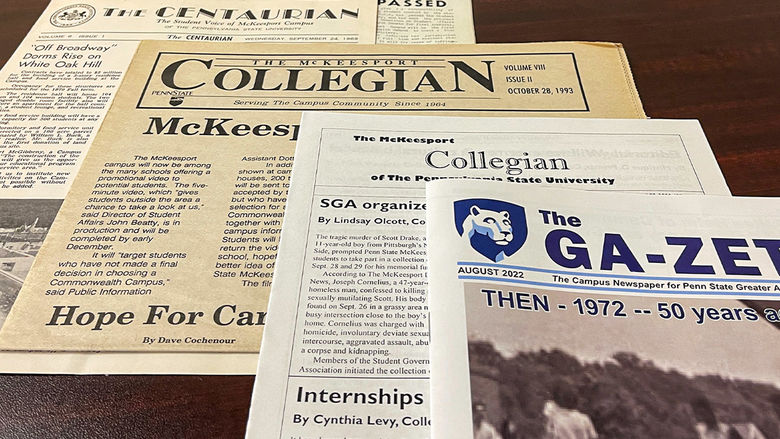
(495, 229)
(176, 100)
(72, 15)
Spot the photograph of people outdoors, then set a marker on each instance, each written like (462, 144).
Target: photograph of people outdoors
(561, 375)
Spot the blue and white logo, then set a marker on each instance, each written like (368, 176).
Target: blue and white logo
(495, 229)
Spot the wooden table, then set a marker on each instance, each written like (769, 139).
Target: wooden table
(713, 60)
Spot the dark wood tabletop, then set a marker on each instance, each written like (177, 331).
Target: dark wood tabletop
(713, 60)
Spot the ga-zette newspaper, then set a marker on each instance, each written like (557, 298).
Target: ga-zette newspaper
(346, 354)
(602, 315)
(167, 240)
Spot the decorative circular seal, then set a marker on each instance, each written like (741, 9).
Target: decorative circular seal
(72, 15)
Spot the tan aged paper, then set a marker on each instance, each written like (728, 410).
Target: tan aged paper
(168, 238)
(425, 22)
(57, 87)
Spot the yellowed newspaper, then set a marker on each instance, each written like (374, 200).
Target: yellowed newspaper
(167, 240)
(58, 86)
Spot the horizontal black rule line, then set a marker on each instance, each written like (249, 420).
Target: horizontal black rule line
(319, 67)
(183, 33)
(90, 39)
(332, 97)
(335, 56)
(340, 377)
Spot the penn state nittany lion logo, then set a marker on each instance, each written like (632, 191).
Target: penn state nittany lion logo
(495, 229)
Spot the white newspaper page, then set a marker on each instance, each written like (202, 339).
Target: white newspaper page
(425, 22)
(346, 350)
(559, 313)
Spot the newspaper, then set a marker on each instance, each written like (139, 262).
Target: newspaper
(586, 314)
(347, 353)
(425, 22)
(57, 87)
(173, 221)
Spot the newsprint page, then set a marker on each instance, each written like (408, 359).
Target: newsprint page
(425, 22)
(57, 87)
(558, 313)
(350, 358)
(167, 240)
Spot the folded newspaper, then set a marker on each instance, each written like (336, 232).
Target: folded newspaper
(58, 85)
(558, 313)
(347, 353)
(167, 240)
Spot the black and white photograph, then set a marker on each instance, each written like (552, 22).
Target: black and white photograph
(24, 225)
(559, 374)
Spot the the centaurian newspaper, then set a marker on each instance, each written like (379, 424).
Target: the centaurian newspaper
(57, 87)
(587, 314)
(167, 240)
(347, 352)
